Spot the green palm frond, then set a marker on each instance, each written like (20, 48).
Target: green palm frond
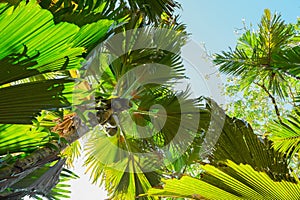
(231, 182)
(138, 47)
(19, 142)
(288, 61)
(37, 57)
(238, 143)
(154, 9)
(176, 119)
(297, 99)
(71, 153)
(143, 129)
(255, 58)
(62, 189)
(27, 55)
(21, 138)
(20, 106)
(286, 135)
(84, 12)
(126, 175)
(47, 43)
(128, 57)
(129, 185)
(92, 34)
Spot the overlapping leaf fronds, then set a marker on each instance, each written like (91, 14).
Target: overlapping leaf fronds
(92, 34)
(19, 105)
(134, 48)
(154, 9)
(27, 53)
(238, 143)
(19, 142)
(288, 61)
(297, 99)
(35, 58)
(172, 124)
(140, 128)
(255, 56)
(286, 135)
(71, 153)
(36, 30)
(126, 175)
(141, 135)
(21, 138)
(242, 165)
(231, 182)
(82, 12)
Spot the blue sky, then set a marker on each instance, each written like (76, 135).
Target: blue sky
(212, 22)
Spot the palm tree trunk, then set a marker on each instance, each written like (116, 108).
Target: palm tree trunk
(12, 173)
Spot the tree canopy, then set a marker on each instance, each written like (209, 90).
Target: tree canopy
(106, 71)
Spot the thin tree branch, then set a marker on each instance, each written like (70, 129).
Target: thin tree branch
(272, 99)
(292, 95)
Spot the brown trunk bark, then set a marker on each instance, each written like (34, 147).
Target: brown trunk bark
(12, 173)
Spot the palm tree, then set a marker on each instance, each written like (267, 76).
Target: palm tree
(30, 151)
(243, 165)
(133, 132)
(137, 112)
(260, 57)
(36, 61)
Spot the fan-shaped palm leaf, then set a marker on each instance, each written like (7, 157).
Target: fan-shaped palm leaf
(126, 175)
(140, 133)
(82, 12)
(39, 47)
(231, 182)
(238, 143)
(232, 179)
(137, 47)
(138, 109)
(154, 9)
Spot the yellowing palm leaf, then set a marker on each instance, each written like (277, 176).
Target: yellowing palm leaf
(231, 182)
